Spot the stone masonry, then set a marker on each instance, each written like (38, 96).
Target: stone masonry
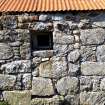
(72, 73)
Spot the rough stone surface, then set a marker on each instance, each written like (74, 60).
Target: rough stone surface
(55, 100)
(45, 69)
(5, 51)
(67, 85)
(59, 67)
(73, 69)
(17, 97)
(88, 53)
(92, 36)
(7, 82)
(74, 56)
(72, 72)
(42, 87)
(92, 98)
(17, 66)
(60, 38)
(102, 84)
(93, 68)
(71, 100)
(100, 53)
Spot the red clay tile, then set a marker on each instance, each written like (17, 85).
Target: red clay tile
(50, 5)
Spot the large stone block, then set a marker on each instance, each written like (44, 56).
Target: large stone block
(55, 100)
(93, 68)
(17, 97)
(7, 82)
(67, 85)
(5, 51)
(100, 53)
(17, 66)
(92, 36)
(59, 67)
(42, 87)
(61, 38)
(92, 98)
(54, 68)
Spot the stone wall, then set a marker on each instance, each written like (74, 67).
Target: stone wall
(73, 73)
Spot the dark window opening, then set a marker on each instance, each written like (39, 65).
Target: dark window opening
(41, 41)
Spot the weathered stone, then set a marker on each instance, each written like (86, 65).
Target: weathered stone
(93, 68)
(100, 53)
(42, 87)
(102, 84)
(55, 100)
(45, 69)
(62, 38)
(92, 98)
(61, 50)
(15, 44)
(85, 83)
(17, 97)
(73, 56)
(36, 60)
(26, 81)
(71, 100)
(44, 17)
(17, 66)
(92, 36)
(77, 38)
(44, 53)
(7, 82)
(67, 86)
(76, 45)
(5, 51)
(59, 67)
(88, 53)
(73, 69)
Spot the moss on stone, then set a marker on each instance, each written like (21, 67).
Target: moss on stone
(4, 103)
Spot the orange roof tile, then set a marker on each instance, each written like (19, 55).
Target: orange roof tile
(50, 5)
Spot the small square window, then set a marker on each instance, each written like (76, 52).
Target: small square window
(41, 40)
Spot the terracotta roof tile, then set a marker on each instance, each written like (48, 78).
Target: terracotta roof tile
(50, 5)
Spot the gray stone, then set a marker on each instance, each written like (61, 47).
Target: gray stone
(102, 84)
(7, 82)
(100, 53)
(88, 53)
(93, 68)
(73, 56)
(5, 51)
(59, 67)
(67, 86)
(36, 60)
(62, 38)
(92, 98)
(17, 66)
(55, 100)
(62, 49)
(85, 83)
(71, 100)
(44, 17)
(26, 81)
(17, 97)
(15, 44)
(44, 53)
(92, 36)
(42, 87)
(73, 69)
